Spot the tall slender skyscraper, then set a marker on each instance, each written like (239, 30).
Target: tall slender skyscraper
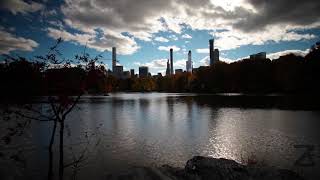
(211, 50)
(216, 55)
(171, 61)
(168, 71)
(114, 58)
(189, 63)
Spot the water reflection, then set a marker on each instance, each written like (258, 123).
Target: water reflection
(158, 128)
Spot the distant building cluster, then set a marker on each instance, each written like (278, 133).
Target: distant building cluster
(117, 70)
(170, 70)
(261, 55)
(178, 71)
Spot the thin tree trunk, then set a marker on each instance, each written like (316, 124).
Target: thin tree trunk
(50, 170)
(61, 166)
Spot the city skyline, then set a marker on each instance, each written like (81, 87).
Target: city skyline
(159, 89)
(144, 33)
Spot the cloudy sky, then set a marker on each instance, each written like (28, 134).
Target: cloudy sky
(144, 30)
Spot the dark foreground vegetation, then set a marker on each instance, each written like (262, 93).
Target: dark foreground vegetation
(289, 74)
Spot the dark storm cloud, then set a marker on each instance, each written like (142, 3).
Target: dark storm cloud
(293, 12)
(113, 14)
(143, 19)
(131, 14)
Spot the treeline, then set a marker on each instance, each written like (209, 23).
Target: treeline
(21, 78)
(287, 74)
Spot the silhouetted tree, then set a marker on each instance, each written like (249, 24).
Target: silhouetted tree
(63, 86)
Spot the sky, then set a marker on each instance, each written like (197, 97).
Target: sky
(143, 31)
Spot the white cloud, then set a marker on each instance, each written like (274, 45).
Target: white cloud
(136, 18)
(144, 18)
(48, 13)
(167, 48)
(155, 66)
(232, 39)
(10, 42)
(184, 51)
(204, 61)
(186, 36)
(276, 55)
(173, 37)
(203, 51)
(57, 24)
(160, 65)
(228, 60)
(144, 36)
(231, 5)
(161, 39)
(179, 64)
(125, 45)
(20, 6)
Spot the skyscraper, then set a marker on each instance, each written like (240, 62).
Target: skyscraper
(189, 63)
(171, 61)
(143, 71)
(168, 71)
(216, 55)
(132, 72)
(211, 50)
(114, 58)
(118, 71)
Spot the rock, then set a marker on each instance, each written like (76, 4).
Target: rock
(206, 168)
(225, 169)
(212, 168)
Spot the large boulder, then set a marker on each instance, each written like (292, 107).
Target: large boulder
(224, 169)
(206, 168)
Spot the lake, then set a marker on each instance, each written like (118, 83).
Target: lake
(151, 129)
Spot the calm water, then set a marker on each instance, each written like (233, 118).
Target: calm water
(125, 130)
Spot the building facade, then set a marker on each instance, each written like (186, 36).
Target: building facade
(168, 71)
(126, 75)
(216, 55)
(178, 71)
(143, 71)
(189, 63)
(114, 58)
(171, 61)
(260, 55)
(211, 51)
(118, 71)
